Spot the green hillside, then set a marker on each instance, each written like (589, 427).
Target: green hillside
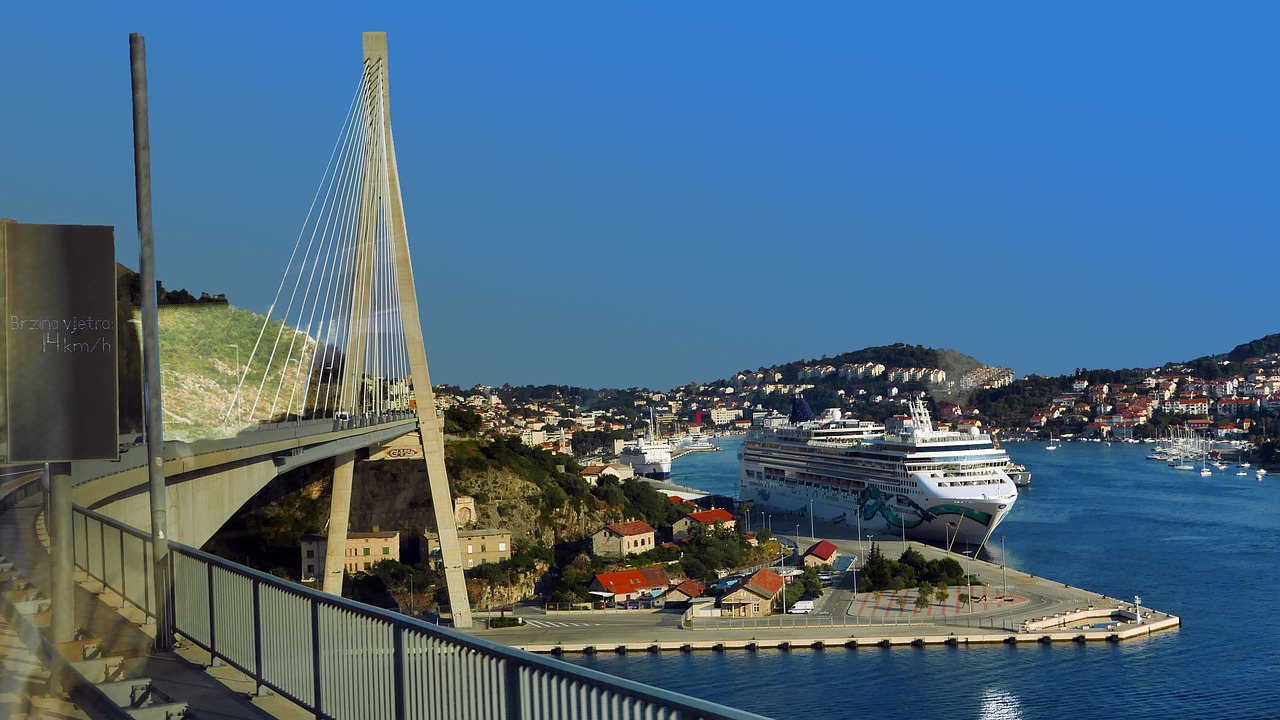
(199, 372)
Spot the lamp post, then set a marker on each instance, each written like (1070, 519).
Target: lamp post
(968, 578)
(797, 540)
(860, 529)
(811, 535)
(233, 399)
(1004, 569)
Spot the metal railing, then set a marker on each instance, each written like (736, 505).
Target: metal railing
(341, 659)
(62, 672)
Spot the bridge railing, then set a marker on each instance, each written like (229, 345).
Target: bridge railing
(342, 659)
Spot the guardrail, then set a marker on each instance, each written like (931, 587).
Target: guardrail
(62, 673)
(342, 659)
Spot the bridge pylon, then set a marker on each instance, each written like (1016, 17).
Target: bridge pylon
(378, 117)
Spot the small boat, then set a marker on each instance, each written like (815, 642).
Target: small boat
(1241, 472)
(1260, 473)
(1053, 445)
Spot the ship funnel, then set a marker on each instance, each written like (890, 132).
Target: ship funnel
(800, 410)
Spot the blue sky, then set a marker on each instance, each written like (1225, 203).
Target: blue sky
(656, 193)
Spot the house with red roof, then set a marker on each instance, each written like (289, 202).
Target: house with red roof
(753, 596)
(626, 585)
(622, 539)
(706, 518)
(823, 552)
(684, 593)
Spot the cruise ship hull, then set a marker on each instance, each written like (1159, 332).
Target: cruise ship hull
(963, 521)
(939, 486)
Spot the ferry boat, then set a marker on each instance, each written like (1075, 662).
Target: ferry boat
(648, 458)
(927, 484)
(698, 442)
(1019, 474)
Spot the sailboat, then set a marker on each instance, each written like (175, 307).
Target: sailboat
(1053, 445)
(1204, 468)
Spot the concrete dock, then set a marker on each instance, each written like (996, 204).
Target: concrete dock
(1011, 607)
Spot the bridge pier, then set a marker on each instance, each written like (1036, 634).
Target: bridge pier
(339, 517)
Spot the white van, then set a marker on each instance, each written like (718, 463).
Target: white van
(801, 607)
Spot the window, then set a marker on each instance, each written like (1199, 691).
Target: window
(366, 554)
(311, 570)
(386, 550)
(367, 564)
(311, 553)
(469, 550)
(470, 562)
(502, 547)
(755, 607)
(482, 548)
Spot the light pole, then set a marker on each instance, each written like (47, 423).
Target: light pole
(797, 540)
(233, 399)
(811, 535)
(860, 529)
(1004, 569)
(968, 578)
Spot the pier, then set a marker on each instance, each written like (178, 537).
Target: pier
(1014, 608)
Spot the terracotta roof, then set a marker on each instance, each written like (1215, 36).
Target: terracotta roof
(629, 529)
(823, 550)
(711, 517)
(593, 470)
(655, 576)
(763, 582)
(692, 588)
(627, 581)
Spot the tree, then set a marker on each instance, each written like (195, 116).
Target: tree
(878, 595)
(964, 599)
(941, 593)
(901, 602)
(459, 420)
(922, 600)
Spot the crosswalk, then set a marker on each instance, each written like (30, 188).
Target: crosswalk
(550, 624)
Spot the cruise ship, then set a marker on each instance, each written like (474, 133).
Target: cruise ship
(648, 458)
(932, 485)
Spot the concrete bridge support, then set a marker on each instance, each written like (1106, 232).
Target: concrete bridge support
(339, 514)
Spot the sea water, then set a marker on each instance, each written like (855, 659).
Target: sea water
(1097, 516)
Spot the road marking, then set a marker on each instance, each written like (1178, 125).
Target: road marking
(550, 624)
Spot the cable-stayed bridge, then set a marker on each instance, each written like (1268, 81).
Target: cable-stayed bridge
(339, 366)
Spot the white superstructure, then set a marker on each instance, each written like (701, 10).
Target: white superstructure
(648, 458)
(937, 485)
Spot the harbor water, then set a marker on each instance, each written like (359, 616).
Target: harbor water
(1097, 516)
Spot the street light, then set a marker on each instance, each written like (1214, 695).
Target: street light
(860, 529)
(968, 578)
(233, 399)
(811, 535)
(1004, 569)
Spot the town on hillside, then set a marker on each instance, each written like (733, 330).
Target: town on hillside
(626, 543)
